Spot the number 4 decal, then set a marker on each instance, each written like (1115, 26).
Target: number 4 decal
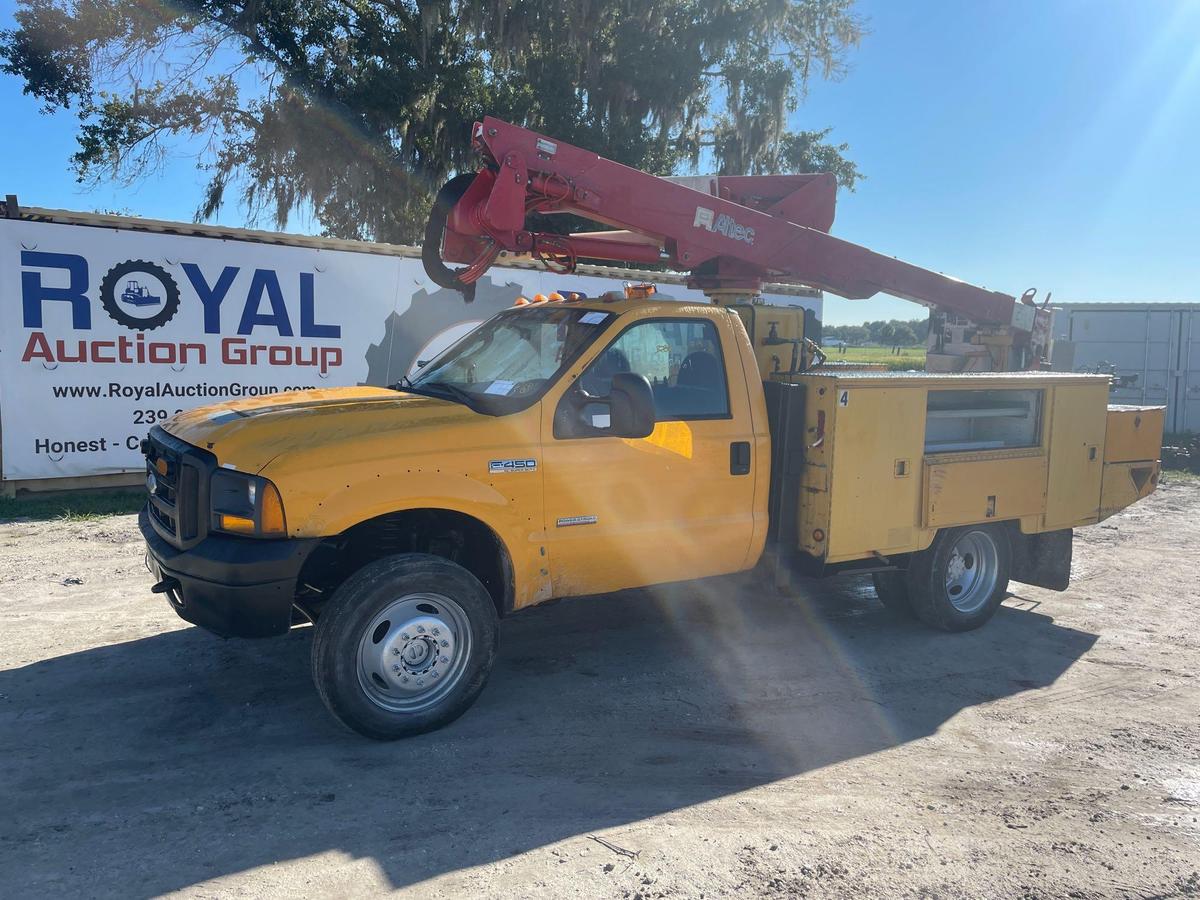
(844, 398)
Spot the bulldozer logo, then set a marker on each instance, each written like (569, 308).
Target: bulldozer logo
(148, 296)
(137, 295)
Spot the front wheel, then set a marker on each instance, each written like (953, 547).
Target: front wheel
(961, 580)
(404, 646)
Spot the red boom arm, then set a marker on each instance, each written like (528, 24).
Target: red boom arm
(729, 232)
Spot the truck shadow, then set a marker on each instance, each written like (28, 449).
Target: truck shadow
(149, 766)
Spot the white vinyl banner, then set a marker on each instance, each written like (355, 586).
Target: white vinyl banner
(105, 332)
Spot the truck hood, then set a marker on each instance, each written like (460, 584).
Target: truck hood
(248, 433)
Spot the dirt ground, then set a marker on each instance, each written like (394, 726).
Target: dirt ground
(701, 741)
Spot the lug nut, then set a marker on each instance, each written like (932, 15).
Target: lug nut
(433, 674)
(396, 669)
(445, 659)
(395, 651)
(436, 631)
(420, 682)
(445, 643)
(404, 635)
(404, 680)
(420, 629)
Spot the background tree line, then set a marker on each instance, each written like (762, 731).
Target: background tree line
(353, 112)
(890, 333)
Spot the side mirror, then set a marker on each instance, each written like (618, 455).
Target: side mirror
(631, 406)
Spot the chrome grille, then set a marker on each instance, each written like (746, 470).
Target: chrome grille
(173, 478)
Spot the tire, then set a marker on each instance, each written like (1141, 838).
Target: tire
(892, 590)
(404, 646)
(960, 581)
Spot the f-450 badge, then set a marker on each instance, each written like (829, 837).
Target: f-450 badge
(500, 466)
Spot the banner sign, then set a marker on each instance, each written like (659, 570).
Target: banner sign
(105, 332)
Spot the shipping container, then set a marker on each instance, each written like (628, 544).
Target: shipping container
(1152, 350)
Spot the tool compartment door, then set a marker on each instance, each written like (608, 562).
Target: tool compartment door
(1134, 433)
(985, 455)
(876, 477)
(974, 488)
(1078, 419)
(1132, 445)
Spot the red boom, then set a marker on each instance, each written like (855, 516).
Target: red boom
(728, 232)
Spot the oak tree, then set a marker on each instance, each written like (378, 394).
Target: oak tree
(356, 110)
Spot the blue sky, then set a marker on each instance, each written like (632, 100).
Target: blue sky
(1011, 143)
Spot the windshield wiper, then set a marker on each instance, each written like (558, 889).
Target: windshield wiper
(404, 384)
(464, 397)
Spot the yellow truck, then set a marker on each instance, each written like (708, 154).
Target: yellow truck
(576, 446)
(579, 447)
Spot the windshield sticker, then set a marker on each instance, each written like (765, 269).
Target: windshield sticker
(592, 318)
(601, 420)
(503, 388)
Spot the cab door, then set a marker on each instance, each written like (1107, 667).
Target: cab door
(676, 505)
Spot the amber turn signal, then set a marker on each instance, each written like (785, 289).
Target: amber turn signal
(273, 522)
(235, 524)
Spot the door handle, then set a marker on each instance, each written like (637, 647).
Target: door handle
(739, 458)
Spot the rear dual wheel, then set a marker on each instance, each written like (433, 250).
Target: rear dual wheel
(955, 585)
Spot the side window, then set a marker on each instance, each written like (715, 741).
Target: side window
(681, 358)
(959, 420)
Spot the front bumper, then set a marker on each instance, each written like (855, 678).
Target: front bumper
(231, 586)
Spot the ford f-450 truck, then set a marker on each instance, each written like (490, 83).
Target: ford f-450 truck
(575, 446)
(564, 449)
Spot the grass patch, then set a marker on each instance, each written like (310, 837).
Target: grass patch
(1179, 475)
(72, 507)
(1181, 453)
(908, 357)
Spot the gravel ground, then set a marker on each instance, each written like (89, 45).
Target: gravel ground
(698, 741)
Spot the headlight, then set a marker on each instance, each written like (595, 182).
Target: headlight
(246, 504)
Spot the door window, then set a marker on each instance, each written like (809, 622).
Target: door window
(681, 358)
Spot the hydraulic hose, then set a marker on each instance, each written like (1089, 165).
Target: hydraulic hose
(431, 250)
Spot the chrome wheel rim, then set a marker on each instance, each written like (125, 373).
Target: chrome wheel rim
(413, 652)
(971, 571)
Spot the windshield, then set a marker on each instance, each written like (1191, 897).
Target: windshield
(509, 361)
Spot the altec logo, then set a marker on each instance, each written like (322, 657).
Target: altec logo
(722, 224)
(143, 297)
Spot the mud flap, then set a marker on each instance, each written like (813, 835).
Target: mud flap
(1043, 560)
